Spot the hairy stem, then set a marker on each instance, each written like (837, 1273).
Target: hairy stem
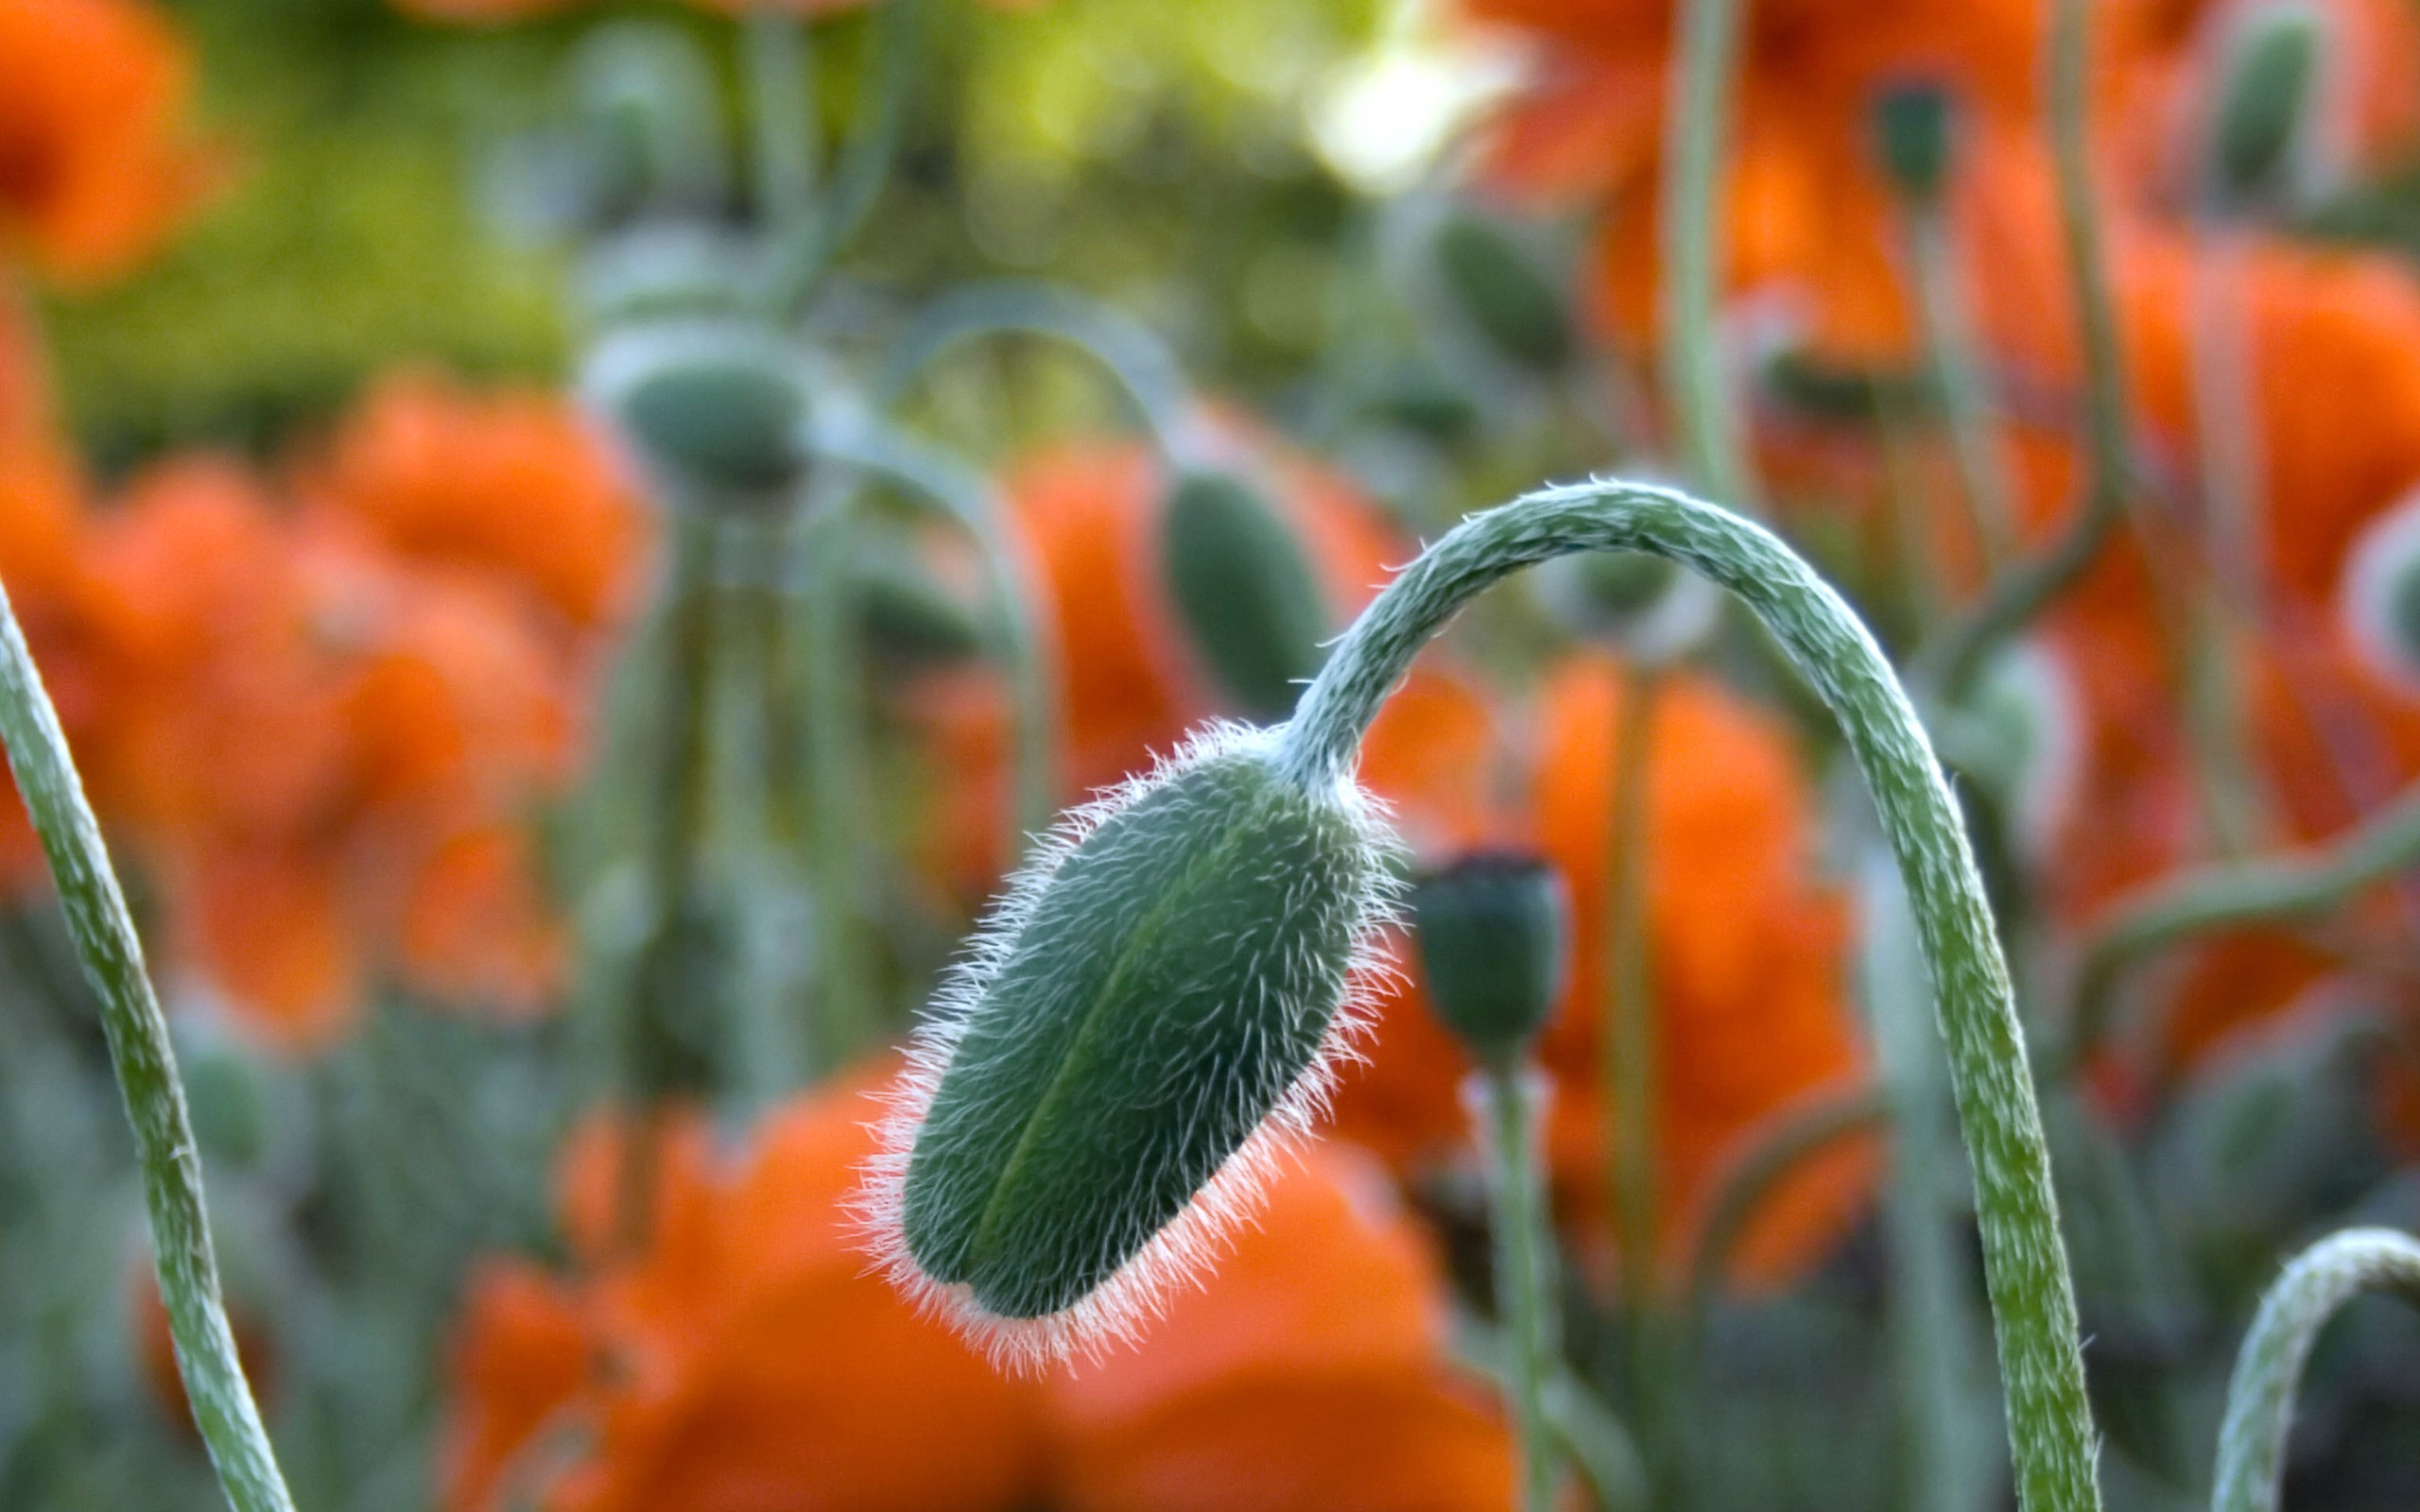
(2032, 1301)
(145, 1064)
(2260, 1398)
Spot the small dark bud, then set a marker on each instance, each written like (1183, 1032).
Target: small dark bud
(904, 616)
(718, 407)
(1914, 123)
(1492, 932)
(1503, 293)
(1244, 590)
(2268, 83)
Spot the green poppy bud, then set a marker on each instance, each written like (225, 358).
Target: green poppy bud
(904, 617)
(2020, 736)
(2268, 83)
(228, 1100)
(719, 408)
(1642, 605)
(1492, 932)
(1503, 293)
(1914, 123)
(1244, 590)
(2380, 596)
(1149, 1013)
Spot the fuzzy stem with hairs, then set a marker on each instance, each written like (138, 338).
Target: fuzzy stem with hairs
(2032, 1299)
(146, 1063)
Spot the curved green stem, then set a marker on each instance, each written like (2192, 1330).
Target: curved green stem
(782, 117)
(1965, 398)
(1759, 1173)
(2024, 591)
(1697, 119)
(1510, 1103)
(2228, 897)
(2260, 1398)
(806, 251)
(2032, 1301)
(1630, 1042)
(1140, 362)
(146, 1063)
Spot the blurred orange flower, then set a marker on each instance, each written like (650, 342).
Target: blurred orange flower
(740, 1358)
(94, 165)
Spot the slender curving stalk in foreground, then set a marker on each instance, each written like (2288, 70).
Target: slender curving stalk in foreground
(146, 1063)
(2260, 1398)
(1138, 360)
(2228, 897)
(2032, 1299)
(2015, 596)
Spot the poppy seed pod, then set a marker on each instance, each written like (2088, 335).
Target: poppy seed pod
(719, 407)
(1148, 1014)
(1491, 933)
(1244, 588)
(1503, 293)
(1914, 123)
(2268, 83)
(2380, 597)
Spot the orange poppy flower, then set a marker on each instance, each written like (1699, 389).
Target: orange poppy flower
(93, 169)
(509, 481)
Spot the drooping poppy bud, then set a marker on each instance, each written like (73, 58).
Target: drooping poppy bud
(1640, 605)
(1503, 294)
(1914, 128)
(1149, 1012)
(2261, 120)
(2380, 597)
(718, 407)
(1244, 588)
(904, 617)
(1492, 931)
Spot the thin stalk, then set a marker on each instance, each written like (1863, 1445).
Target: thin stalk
(2284, 888)
(1630, 1042)
(1965, 397)
(146, 1063)
(782, 92)
(1140, 361)
(2260, 1398)
(1509, 1101)
(2033, 1301)
(806, 251)
(1759, 1173)
(2015, 598)
(1697, 118)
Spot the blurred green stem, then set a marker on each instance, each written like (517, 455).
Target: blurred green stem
(2034, 1305)
(782, 95)
(1965, 396)
(1510, 1103)
(1759, 1173)
(2260, 1398)
(145, 1064)
(807, 248)
(1138, 360)
(2013, 598)
(1703, 69)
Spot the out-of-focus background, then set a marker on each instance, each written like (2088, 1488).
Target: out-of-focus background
(547, 803)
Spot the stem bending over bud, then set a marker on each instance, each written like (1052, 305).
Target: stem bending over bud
(2260, 1398)
(2032, 1299)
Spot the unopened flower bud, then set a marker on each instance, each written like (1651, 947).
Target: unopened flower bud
(1503, 293)
(904, 616)
(2266, 94)
(1641, 605)
(2380, 597)
(1492, 932)
(1144, 1016)
(1244, 590)
(716, 408)
(1914, 125)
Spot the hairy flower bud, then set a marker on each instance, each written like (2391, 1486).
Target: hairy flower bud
(718, 407)
(1491, 933)
(1503, 293)
(1244, 590)
(2268, 85)
(2380, 596)
(1147, 1014)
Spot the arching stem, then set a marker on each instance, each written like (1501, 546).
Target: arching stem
(2033, 1301)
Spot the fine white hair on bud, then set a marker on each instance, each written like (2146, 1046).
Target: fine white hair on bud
(2379, 596)
(1148, 1015)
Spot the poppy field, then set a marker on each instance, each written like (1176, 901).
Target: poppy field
(1070, 756)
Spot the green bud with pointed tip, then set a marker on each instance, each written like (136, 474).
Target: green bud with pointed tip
(1150, 1006)
(1244, 590)
(1914, 125)
(1492, 932)
(2268, 85)
(1503, 293)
